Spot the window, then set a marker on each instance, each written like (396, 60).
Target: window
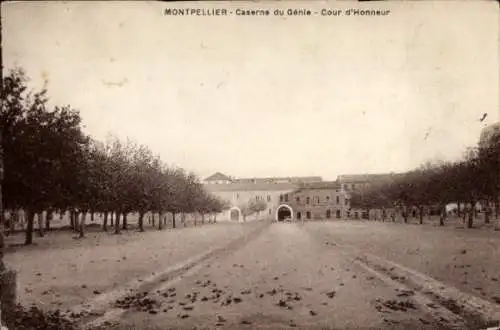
(338, 214)
(268, 198)
(256, 198)
(297, 199)
(269, 211)
(328, 214)
(316, 200)
(299, 216)
(327, 198)
(281, 198)
(308, 200)
(356, 215)
(346, 201)
(286, 197)
(338, 200)
(237, 196)
(353, 186)
(308, 215)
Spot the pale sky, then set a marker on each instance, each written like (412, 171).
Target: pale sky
(268, 96)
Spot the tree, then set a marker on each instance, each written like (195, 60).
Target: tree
(38, 145)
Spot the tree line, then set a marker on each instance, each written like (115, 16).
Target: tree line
(52, 166)
(473, 179)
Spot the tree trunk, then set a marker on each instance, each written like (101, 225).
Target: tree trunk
(153, 219)
(82, 224)
(215, 218)
(487, 212)
(111, 215)
(124, 221)
(421, 215)
(15, 220)
(497, 207)
(29, 228)
(72, 216)
(459, 212)
(40, 224)
(442, 215)
(470, 221)
(405, 215)
(92, 216)
(105, 222)
(141, 221)
(48, 218)
(202, 219)
(117, 222)
(173, 220)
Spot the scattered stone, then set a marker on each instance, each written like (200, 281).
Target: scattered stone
(463, 251)
(220, 319)
(272, 292)
(237, 300)
(188, 308)
(96, 292)
(246, 291)
(331, 294)
(312, 313)
(246, 322)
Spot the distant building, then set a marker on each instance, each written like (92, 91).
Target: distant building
(294, 198)
(354, 182)
(488, 133)
(240, 191)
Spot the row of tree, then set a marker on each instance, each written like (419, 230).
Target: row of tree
(473, 180)
(51, 165)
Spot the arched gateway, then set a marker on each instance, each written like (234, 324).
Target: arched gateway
(284, 212)
(234, 214)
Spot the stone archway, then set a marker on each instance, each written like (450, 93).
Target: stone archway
(234, 214)
(283, 212)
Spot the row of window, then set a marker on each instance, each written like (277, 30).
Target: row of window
(285, 198)
(316, 199)
(328, 214)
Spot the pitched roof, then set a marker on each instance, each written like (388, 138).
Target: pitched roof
(250, 187)
(218, 176)
(319, 185)
(292, 179)
(366, 178)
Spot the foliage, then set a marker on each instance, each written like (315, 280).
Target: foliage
(51, 164)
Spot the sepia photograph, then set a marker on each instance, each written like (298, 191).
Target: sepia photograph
(250, 165)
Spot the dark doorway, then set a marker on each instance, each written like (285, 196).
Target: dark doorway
(235, 215)
(338, 214)
(284, 213)
(328, 214)
(299, 216)
(308, 215)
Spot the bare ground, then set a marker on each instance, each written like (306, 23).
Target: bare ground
(61, 271)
